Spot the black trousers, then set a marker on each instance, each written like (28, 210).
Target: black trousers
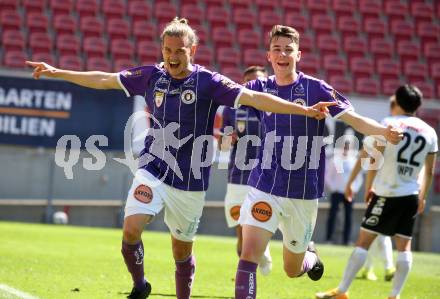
(335, 200)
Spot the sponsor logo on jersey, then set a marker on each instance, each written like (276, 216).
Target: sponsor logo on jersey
(228, 83)
(143, 193)
(163, 80)
(158, 98)
(189, 83)
(271, 91)
(300, 102)
(262, 211)
(241, 126)
(235, 212)
(299, 89)
(293, 242)
(174, 91)
(188, 96)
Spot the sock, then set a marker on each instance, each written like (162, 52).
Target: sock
(134, 259)
(246, 280)
(387, 252)
(369, 261)
(309, 261)
(184, 275)
(403, 265)
(355, 263)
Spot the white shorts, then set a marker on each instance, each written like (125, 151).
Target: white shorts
(183, 209)
(235, 195)
(295, 218)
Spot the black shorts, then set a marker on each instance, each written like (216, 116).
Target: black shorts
(391, 215)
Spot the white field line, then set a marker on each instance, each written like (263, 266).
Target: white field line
(15, 292)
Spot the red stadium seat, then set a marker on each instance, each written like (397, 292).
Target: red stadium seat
(37, 22)
(426, 88)
(248, 38)
(228, 57)
(367, 86)
(214, 3)
(123, 64)
(309, 64)
(318, 5)
(233, 73)
(267, 5)
(94, 47)
(218, 16)
(422, 11)
(13, 40)
(267, 19)
(44, 57)
(40, 42)
(432, 52)
(381, 48)
(114, 9)
(438, 97)
(415, 71)
(143, 30)
(335, 65)
(306, 43)
(193, 13)
(67, 44)
(164, 12)
(341, 84)
(240, 3)
(291, 6)
(222, 37)
(344, 7)
(388, 69)
(244, 18)
(98, 64)
(15, 59)
(121, 48)
(370, 8)
(355, 47)
(204, 55)
(328, 44)
(64, 24)
(36, 6)
(362, 67)
(61, 7)
(9, 20)
(189, 2)
(322, 23)
(254, 57)
(389, 86)
(87, 7)
(9, 5)
(428, 32)
(408, 50)
(395, 9)
(71, 62)
(139, 10)
(201, 32)
(349, 26)
(297, 21)
(148, 52)
(118, 29)
(375, 28)
(402, 30)
(91, 26)
(435, 71)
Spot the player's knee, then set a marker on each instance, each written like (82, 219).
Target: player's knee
(292, 272)
(132, 233)
(181, 253)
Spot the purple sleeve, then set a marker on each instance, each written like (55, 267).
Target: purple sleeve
(224, 91)
(134, 81)
(329, 94)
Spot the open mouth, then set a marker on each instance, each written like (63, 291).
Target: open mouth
(283, 64)
(174, 65)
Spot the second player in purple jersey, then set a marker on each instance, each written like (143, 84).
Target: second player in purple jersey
(300, 174)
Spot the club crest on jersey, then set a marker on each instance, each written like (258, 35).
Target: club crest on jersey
(299, 89)
(188, 96)
(158, 98)
(241, 125)
(262, 211)
(300, 102)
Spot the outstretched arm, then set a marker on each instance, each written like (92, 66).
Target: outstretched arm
(368, 126)
(94, 79)
(270, 103)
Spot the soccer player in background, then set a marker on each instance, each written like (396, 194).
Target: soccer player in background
(285, 195)
(183, 97)
(244, 123)
(394, 194)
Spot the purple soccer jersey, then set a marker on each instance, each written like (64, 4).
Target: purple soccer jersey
(246, 124)
(292, 157)
(179, 145)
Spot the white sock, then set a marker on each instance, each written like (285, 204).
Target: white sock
(403, 265)
(372, 252)
(355, 263)
(387, 252)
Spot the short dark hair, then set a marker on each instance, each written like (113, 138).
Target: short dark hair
(284, 31)
(254, 69)
(409, 98)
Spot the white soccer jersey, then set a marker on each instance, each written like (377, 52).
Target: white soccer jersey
(404, 161)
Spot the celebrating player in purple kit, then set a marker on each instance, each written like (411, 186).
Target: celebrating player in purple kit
(244, 151)
(285, 195)
(183, 99)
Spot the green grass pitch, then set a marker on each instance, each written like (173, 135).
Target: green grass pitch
(49, 261)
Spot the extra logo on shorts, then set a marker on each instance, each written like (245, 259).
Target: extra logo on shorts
(143, 193)
(235, 212)
(262, 211)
